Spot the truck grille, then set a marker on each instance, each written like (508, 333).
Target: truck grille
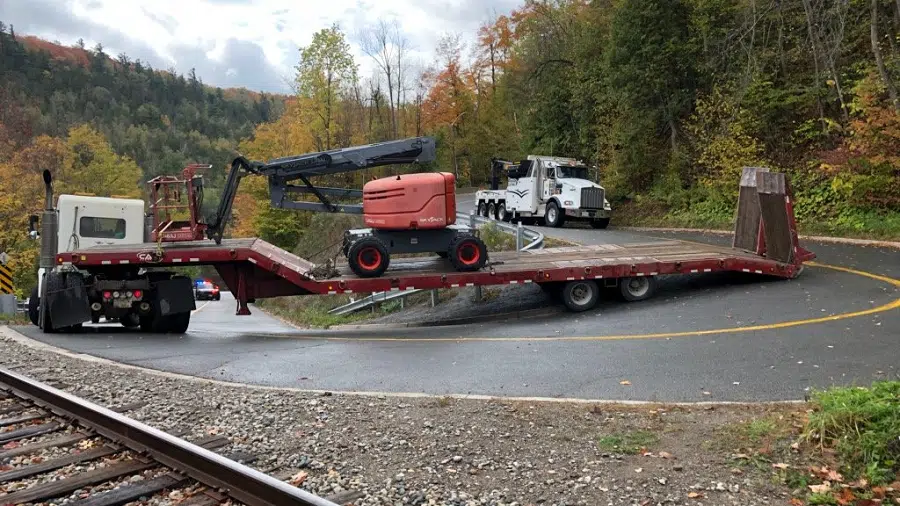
(592, 198)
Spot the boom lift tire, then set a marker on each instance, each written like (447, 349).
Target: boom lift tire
(368, 257)
(580, 295)
(637, 288)
(554, 216)
(34, 306)
(467, 253)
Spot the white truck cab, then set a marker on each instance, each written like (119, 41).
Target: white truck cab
(545, 187)
(86, 221)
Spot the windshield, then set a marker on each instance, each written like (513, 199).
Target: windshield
(568, 171)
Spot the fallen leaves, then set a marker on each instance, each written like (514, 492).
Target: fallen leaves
(695, 495)
(666, 455)
(781, 465)
(821, 488)
(796, 502)
(297, 479)
(625, 383)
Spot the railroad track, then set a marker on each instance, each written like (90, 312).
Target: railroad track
(56, 447)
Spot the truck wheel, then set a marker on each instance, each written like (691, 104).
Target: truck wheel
(554, 216)
(482, 209)
(502, 215)
(581, 295)
(369, 257)
(467, 253)
(601, 223)
(637, 288)
(492, 211)
(130, 321)
(178, 323)
(34, 306)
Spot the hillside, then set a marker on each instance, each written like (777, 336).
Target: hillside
(159, 119)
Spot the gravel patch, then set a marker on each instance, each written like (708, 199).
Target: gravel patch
(439, 451)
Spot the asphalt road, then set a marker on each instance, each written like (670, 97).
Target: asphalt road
(702, 338)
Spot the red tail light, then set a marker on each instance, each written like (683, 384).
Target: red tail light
(137, 294)
(107, 295)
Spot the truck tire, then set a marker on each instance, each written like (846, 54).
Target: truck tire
(502, 214)
(637, 288)
(130, 321)
(369, 257)
(600, 223)
(492, 211)
(581, 295)
(482, 209)
(55, 283)
(34, 307)
(554, 216)
(467, 253)
(177, 323)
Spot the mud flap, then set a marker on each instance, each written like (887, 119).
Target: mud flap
(173, 296)
(66, 299)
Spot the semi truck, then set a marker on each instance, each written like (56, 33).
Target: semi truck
(138, 282)
(548, 189)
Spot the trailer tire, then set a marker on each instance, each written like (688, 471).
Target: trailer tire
(492, 211)
(34, 307)
(369, 257)
(467, 253)
(581, 295)
(482, 209)
(502, 213)
(601, 223)
(554, 216)
(637, 288)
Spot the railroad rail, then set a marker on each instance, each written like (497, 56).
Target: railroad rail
(45, 430)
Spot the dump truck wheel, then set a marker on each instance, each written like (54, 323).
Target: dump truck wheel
(581, 295)
(637, 288)
(467, 253)
(368, 257)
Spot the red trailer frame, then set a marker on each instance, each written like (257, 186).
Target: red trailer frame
(253, 268)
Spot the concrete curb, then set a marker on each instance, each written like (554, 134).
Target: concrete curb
(515, 315)
(817, 238)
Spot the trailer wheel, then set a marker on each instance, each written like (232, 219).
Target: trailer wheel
(34, 306)
(482, 209)
(369, 257)
(554, 216)
(502, 214)
(492, 211)
(637, 288)
(601, 223)
(467, 253)
(581, 295)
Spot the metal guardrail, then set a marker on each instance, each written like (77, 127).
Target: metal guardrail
(535, 238)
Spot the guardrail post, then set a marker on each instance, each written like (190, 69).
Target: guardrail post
(433, 297)
(472, 219)
(478, 294)
(520, 236)
(7, 304)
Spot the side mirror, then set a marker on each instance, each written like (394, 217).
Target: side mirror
(33, 226)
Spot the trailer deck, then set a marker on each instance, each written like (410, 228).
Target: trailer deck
(253, 268)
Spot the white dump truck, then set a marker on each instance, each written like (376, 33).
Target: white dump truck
(547, 188)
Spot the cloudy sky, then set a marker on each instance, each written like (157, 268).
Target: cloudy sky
(241, 43)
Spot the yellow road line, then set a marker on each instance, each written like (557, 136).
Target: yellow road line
(200, 308)
(895, 304)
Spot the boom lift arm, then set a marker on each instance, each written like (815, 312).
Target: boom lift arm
(282, 172)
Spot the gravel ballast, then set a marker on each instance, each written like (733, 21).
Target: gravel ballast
(394, 450)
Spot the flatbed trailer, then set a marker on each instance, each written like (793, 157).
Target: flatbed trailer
(765, 243)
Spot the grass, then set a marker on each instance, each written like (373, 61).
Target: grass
(631, 442)
(862, 426)
(14, 319)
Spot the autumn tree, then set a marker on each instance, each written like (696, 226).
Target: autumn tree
(91, 166)
(326, 69)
